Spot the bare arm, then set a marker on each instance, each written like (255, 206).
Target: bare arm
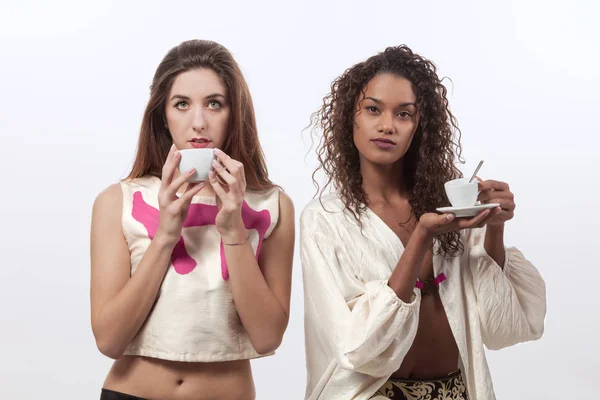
(261, 291)
(494, 244)
(405, 274)
(120, 304)
(497, 192)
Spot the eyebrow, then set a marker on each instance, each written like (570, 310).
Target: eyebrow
(399, 105)
(215, 95)
(210, 96)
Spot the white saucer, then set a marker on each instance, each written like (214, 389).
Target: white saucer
(467, 211)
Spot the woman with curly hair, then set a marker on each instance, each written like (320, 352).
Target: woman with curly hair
(400, 300)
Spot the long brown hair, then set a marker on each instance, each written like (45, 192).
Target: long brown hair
(429, 161)
(241, 143)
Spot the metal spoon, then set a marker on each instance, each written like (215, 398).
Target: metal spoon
(476, 170)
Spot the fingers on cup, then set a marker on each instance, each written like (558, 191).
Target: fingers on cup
(494, 185)
(191, 190)
(169, 167)
(179, 182)
(216, 185)
(223, 174)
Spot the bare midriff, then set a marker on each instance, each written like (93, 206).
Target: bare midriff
(434, 353)
(152, 378)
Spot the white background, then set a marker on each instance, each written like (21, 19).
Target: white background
(74, 81)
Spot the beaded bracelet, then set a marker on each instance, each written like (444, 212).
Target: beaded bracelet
(430, 286)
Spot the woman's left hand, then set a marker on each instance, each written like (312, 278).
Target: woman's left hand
(230, 190)
(497, 192)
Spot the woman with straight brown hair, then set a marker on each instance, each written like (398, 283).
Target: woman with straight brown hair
(189, 281)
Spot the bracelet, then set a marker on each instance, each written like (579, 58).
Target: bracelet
(430, 286)
(237, 244)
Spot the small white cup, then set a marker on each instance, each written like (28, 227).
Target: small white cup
(461, 193)
(201, 159)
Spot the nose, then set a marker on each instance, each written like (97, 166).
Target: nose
(198, 120)
(385, 124)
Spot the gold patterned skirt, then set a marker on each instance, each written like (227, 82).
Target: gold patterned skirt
(450, 387)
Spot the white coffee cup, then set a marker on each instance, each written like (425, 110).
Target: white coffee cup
(201, 159)
(461, 193)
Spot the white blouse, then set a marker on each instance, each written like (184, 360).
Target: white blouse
(357, 329)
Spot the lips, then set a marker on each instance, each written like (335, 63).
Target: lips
(200, 142)
(384, 140)
(384, 143)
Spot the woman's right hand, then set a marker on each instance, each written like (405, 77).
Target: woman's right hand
(438, 224)
(174, 209)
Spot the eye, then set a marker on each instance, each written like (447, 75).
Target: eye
(372, 109)
(404, 114)
(215, 105)
(182, 105)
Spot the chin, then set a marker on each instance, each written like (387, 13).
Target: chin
(383, 159)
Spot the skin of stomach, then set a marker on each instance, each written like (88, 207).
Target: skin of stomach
(152, 378)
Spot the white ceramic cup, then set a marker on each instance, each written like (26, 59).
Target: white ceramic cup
(461, 193)
(201, 159)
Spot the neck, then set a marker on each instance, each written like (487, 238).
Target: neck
(383, 183)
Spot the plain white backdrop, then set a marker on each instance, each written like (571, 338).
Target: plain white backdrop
(74, 80)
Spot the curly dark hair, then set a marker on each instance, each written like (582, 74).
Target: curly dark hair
(429, 161)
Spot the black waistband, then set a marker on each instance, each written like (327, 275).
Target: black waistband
(108, 394)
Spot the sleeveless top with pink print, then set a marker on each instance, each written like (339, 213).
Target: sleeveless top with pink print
(194, 318)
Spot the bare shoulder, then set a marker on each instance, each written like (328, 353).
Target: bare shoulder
(284, 227)
(109, 201)
(286, 205)
(278, 248)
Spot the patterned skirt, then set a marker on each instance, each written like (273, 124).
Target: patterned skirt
(450, 387)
